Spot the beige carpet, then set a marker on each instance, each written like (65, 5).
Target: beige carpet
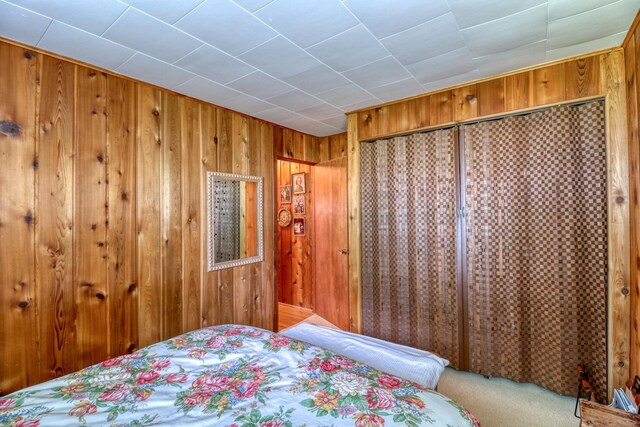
(498, 402)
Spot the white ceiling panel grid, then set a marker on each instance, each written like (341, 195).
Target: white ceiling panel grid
(301, 63)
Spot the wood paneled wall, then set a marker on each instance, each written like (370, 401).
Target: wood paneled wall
(295, 145)
(102, 233)
(549, 84)
(632, 72)
(595, 75)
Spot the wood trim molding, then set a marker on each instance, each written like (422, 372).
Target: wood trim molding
(355, 249)
(613, 85)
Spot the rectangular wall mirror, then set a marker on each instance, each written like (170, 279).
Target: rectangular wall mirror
(234, 220)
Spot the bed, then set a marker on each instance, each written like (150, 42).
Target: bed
(230, 375)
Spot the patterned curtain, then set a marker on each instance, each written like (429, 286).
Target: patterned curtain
(537, 246)
(409, 291)
(226, 220)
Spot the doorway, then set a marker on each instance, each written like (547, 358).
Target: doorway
(312, 247)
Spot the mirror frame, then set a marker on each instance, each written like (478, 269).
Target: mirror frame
(211, 264)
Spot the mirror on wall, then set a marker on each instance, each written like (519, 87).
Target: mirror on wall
(234, 220)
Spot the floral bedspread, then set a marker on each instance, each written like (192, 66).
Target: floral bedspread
(230, 376)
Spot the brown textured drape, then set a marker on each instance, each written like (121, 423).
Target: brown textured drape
(409, 243)
(537, 246)
(535, 234)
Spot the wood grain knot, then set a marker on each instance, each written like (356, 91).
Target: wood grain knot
(625, 291)
(28, 218)
(368, 118)
(620, 199)
(100, 295)
(470, 97)
(29, 54)
(9, 128)
(100, 158)
(215, 140)
(124, 196)
(23, 304)
(155, 113)
(94, 226)
(132, 287)
(621, 364)
(35, 164)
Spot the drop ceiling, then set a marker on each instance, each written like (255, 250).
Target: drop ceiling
(304, 63)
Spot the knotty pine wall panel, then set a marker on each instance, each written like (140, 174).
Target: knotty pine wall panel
(549, 84)
(102, 215)
(632, 73)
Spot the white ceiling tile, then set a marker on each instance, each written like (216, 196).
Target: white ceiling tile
(320, 112)
(149, 35)
(226, 26)
(307, 22)
(260, 85)
(516, 30)
(21, 24)
(294, 100)
(562, 8)
(276, 115)
(168, 11)
(473, 12)
(442, 34)
(206, 90)
(384, 18)
(346, 95)
(280, 58)
(452, 81)
(570, 31)
(93, 16)
(378, 73)
(151, 70)
(451, 63)
(511, 60)
(350, 49)
(397, 90)
(306, 125)
(246, 104)
(319, 129)
(83, 46)
(253, 5)
(214, 64)
(582, 48)
(317, 79)
(339, 122)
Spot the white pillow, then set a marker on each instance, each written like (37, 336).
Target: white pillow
(405, 362)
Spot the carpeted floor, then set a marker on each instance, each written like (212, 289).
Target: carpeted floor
(498, 402)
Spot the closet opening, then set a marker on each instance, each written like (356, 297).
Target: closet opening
(488, 244)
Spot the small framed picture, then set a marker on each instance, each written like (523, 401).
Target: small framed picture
(298, 227)
(299, 184)
(298, 204)
(285, 194)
